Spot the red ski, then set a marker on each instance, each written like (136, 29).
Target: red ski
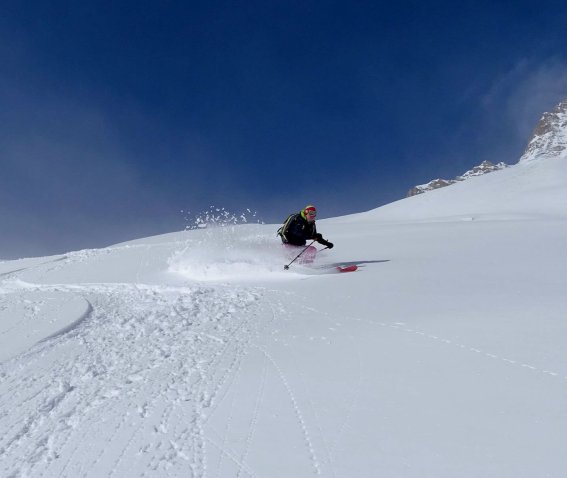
(351, 268)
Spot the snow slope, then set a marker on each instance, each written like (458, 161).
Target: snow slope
(195, 354)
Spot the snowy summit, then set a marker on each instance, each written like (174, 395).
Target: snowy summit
(196, 354)
(550, 136)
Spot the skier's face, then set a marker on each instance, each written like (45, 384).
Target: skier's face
(310, 216)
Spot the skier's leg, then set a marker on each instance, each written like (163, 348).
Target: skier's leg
(309, 255)
(290, 250)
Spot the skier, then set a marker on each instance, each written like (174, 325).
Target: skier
(298, 228)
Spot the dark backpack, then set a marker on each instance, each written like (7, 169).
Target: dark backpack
(283, 229)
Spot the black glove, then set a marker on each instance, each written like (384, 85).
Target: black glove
(326, 243)
(318, 237)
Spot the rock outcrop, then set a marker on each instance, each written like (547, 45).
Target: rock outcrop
(550, 136)
(483, 168)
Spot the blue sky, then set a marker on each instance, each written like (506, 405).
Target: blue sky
(115, 116)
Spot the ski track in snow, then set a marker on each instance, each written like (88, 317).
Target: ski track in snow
(254, 421)
(315, 415)
(298, 413)
(146, 369)
(461, 346)
(471, 349)
(350, 408)
(331, 446)
(399, 327)
(445, 341)
(143, 369)
(228, 424)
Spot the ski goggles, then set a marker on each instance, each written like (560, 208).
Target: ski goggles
(311, 213)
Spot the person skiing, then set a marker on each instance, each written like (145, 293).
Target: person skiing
(300, 227)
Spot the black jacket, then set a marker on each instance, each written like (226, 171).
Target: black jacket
(297, 231)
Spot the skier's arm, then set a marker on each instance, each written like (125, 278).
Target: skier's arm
(319, 238)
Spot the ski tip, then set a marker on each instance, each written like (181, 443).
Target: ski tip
(351, 268)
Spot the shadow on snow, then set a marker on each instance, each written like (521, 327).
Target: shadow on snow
(351, 263)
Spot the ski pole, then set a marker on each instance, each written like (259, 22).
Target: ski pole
(296, 257)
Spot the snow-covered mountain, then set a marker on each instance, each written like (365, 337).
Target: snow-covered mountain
(195, 354)
(430, 186)
(548, 140)
(482, 168)
(550, 136)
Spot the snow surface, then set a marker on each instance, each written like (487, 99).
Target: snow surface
(196, 354)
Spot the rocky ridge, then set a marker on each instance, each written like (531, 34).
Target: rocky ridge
(549, 140)
(483, 168)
